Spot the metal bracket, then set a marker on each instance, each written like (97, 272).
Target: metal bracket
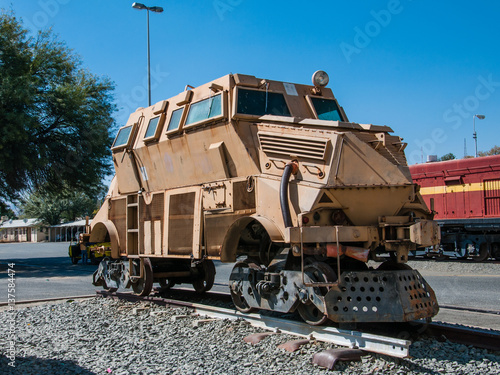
(314, 284)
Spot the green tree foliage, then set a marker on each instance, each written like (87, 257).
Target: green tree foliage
(494, 151)
(62, 206)
(55, 117)
(448, 156)
(6, 212)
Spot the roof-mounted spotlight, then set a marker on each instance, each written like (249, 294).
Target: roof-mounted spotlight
(320, 78)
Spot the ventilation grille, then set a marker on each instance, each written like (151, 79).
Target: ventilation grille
(305, 147)
(492, 197)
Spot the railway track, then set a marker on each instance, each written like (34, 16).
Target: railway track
(44, 300)
(344, 337)
(112, 332)
(219, 306)
(470, 309)
(385, 342)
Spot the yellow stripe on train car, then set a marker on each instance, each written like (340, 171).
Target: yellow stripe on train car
(443, 189)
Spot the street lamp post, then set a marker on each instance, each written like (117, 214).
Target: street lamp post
(480, 117)
(140, 6)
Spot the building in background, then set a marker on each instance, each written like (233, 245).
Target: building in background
(23, 230)
(66, 231)
(31, 230)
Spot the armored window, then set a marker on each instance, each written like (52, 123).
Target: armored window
(151, 131)
(205, 109)
(260, 103)
(123, 137)
(325, 109)
(175, 120)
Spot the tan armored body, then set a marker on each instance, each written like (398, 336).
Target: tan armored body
(271, 175)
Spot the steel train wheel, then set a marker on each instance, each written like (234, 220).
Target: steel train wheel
(319, 272)
(483, 253)
(166, 284)
(143, 286)
(238, 299)
(462, 253)
(206, 281)
(107, 288)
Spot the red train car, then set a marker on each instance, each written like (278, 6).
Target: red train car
(465, 194)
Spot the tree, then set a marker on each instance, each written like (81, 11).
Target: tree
(65, 205)
(6, 212)
(494, 151)
(56, 118)
(448, 156)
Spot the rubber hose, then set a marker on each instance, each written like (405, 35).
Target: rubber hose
(285, 208)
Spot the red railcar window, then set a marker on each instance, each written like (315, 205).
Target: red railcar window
(492, 197)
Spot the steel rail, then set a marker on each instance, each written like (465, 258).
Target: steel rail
(458, 334)
(471, 309)
(53, 299)
(353, 339)
(375, 343)
(466, 335)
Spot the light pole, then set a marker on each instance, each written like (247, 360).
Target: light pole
(480, 117)
(140, 6)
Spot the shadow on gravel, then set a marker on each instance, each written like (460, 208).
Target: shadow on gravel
(38, 366)
(47, 267)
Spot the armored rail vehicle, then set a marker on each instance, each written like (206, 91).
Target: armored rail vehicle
(317, 213)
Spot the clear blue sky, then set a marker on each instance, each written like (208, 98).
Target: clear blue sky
(422, 67)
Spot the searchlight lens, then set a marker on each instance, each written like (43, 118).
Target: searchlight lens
(320, 78)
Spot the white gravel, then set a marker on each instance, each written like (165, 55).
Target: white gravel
(451, 267)
(455, 267)
(100, 336)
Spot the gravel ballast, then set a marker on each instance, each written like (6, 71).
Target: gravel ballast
(102, 336)
(455, 267)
